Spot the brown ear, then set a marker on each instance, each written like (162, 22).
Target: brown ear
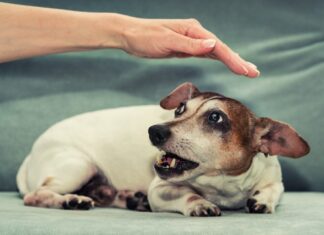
(277, 138)
(182, 93)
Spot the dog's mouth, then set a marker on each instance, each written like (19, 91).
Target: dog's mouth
(170, 164)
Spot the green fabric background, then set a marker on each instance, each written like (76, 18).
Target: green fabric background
(284, 38)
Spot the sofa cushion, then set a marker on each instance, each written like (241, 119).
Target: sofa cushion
(298, 213)
(284, 40)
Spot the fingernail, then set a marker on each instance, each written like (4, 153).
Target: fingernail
(255, 68)
(246, 72)
(209, 43)
(253, 65)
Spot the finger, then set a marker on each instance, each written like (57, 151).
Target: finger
(223, 53)
(181, 55)
(200, 32)
(253, 70)
(191, 46)
(233, 61)
(227, 56)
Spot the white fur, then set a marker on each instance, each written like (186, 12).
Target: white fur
(115, 142)
(230, 192)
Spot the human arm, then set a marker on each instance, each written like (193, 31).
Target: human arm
(33, 31)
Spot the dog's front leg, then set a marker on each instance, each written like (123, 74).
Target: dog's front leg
(265, 199)
(169, 197)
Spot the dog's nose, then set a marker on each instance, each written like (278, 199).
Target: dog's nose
(159, 134)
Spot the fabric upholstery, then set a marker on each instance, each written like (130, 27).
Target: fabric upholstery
(299, 213)
(284, 38)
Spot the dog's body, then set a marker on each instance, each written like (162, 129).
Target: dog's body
(105, 158)
(121, 151)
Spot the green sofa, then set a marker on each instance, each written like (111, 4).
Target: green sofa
(284, 38)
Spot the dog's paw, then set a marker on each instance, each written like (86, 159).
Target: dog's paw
(103, 195)
(253, 206)
(202, 208)
(138, 201)
(76, 202)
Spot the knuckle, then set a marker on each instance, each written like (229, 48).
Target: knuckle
(192, 43)
(193, 21)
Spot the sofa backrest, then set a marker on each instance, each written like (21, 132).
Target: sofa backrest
(284, 40)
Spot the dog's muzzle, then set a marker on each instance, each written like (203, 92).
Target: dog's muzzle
(159, 134)
(168, 164)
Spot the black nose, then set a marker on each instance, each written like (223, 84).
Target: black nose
(159, 134)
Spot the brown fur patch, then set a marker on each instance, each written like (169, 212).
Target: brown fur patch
(277, 138)
(182, 93)
(238, 145)
(234, 148)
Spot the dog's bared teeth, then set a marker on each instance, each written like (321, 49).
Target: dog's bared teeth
(159, 160)
(173, 163)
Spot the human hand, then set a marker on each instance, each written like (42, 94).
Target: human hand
(155, 38)
(79, 31)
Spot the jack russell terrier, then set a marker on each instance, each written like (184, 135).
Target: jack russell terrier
(212, 153)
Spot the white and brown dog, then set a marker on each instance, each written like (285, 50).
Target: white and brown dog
(213, 154)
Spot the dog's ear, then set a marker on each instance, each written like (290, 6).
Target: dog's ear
(182, 93)
(277, 138)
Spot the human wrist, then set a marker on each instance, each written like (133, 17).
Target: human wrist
(108, 30)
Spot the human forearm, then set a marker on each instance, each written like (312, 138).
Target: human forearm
(31, 31)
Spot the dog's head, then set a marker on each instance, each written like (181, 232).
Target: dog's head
(213, 134)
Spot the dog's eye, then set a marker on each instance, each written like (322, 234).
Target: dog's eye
(180, 110)
(215, 117)
(217, 120)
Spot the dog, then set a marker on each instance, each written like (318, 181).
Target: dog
(211, 153)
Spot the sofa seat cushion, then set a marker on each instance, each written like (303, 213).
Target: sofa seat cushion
(298, 213)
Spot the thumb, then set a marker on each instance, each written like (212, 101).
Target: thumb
(192, 46)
